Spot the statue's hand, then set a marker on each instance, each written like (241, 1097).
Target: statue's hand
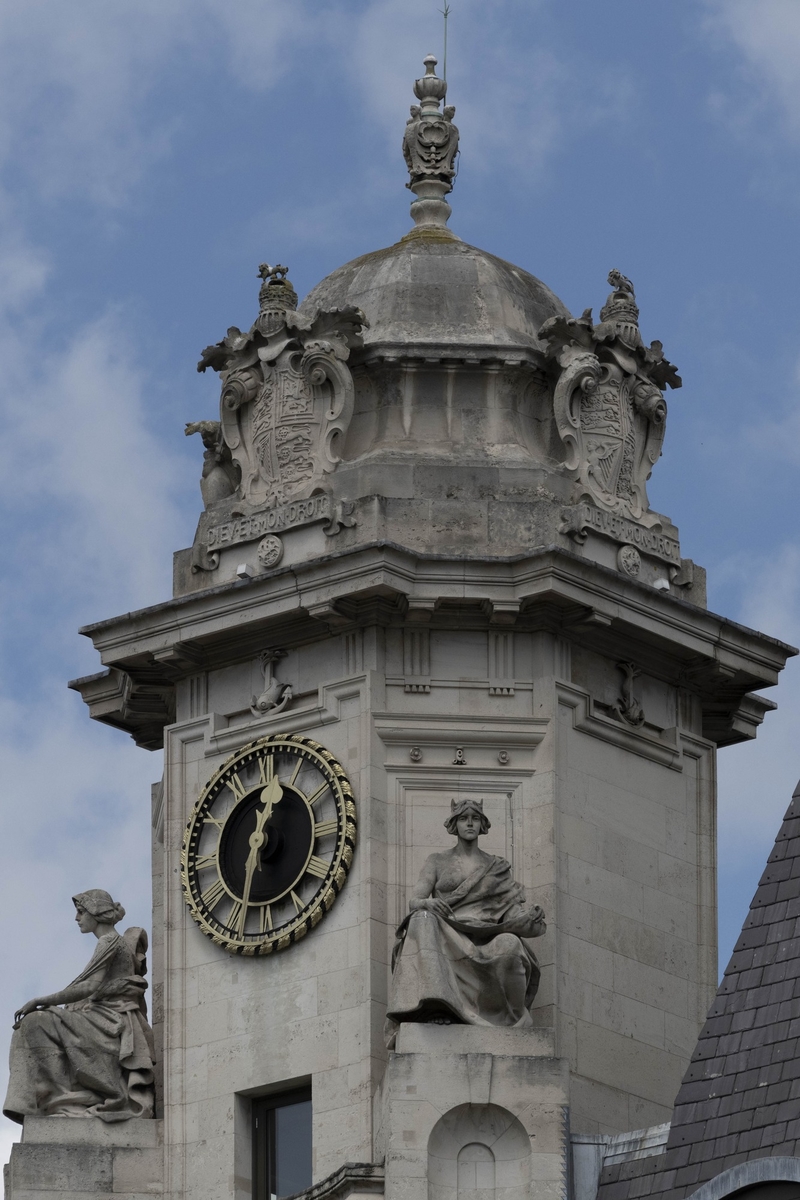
(536, 914)
(30, 1007)
(436, 906)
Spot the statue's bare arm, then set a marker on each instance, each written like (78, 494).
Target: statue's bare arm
(423, 897)
(69, 995)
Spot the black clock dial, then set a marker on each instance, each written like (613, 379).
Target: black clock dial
(289, 840)
(269, 844)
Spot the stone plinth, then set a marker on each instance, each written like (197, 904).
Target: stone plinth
(79, 1158)
(471, 1110)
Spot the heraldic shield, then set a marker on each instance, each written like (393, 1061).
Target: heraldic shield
(608, 403)
(287, 395)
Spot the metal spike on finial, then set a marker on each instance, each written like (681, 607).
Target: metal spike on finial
(430, 144)
(445, 13)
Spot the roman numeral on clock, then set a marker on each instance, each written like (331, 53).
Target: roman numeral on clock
(236, 786)
(211, 897)
(315, 796)
(234, 919)
(317, 866)
(323, 828)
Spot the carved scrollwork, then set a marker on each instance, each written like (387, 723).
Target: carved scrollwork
(608, 403)
(579, 376)
(287, 395)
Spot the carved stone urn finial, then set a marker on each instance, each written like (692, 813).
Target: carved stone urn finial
(430, 87)
(430, 144)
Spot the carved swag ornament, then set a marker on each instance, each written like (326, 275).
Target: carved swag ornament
(286, 403)
(609, 408)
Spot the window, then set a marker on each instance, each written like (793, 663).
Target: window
(281, 1144)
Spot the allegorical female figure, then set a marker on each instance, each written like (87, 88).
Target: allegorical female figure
(93, 1057)
(462, 953)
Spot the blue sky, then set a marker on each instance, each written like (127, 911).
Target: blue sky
(152, 154)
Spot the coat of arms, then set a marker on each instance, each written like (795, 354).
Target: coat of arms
(287, 395)
(608, 401)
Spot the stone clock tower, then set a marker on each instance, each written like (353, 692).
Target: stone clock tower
(427, 572)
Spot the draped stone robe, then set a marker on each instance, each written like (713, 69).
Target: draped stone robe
(476, 966)
(94, 1057)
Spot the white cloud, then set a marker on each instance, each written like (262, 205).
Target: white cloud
(767, 36)
(260, 36)
(99, 474)
(91, 495)
(75, 80)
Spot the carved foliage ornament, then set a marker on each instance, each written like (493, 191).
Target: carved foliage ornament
(286, 402)
(608, 401)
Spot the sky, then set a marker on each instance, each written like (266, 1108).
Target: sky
(153, 153)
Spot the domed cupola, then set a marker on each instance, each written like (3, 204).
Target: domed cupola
(431, 295)
(437, 397)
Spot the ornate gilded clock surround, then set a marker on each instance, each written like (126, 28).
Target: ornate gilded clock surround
(207, 883)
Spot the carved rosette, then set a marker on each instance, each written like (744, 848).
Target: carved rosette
(608, 401)
(286, 401)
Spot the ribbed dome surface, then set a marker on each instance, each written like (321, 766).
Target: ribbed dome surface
(431, 289)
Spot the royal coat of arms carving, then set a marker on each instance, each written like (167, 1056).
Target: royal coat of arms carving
(285, 406)
(608, 401)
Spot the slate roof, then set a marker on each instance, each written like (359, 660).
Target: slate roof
(740, 1097)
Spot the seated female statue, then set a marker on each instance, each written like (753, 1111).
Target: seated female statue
(461, 954)
(93, 1057)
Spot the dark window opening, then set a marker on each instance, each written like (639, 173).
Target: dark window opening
(281, 1144)
(776, 1189)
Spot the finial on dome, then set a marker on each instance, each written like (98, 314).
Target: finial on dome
(430, 144)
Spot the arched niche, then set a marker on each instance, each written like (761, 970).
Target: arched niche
(479, 1152)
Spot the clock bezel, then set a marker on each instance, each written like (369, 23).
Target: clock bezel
(252, 945)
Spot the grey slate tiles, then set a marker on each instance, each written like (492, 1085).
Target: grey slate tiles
(740, 1097)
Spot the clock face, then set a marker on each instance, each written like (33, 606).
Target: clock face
(269, 844)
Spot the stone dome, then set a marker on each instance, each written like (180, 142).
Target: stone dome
(434, 292)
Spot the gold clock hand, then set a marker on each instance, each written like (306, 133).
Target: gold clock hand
(270, 796)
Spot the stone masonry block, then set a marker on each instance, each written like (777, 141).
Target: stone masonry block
(137, 1170)
(91, 1131)
(51, 1168)
(605, 888)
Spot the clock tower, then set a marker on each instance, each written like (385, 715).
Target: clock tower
(426, 572)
